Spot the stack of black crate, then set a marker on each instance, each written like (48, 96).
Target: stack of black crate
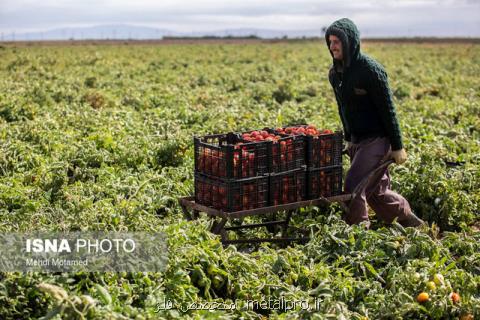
(323, 159)
(232, 174)
(288, 170)
(324, 165)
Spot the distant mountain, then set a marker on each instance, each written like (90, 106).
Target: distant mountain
(95, 32)
(261, 33)
(138, 32)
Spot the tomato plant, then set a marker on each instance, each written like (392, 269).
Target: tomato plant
(99, 137)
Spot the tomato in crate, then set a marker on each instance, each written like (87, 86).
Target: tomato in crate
(287, 187)
(288, 154)
(231, 195)
(229, 156)
(285, 152)
(324, 182)
(323, 147)
(324, 150)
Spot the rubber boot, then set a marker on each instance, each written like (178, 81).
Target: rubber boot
(412, 221)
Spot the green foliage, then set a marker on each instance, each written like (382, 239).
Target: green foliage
(100, 138)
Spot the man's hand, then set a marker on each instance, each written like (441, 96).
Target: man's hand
(400, 156)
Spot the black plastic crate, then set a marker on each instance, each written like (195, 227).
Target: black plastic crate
(288, 154)
(288, 187)
(285, 154)
(322, 150)
(324, 182)
(231, 195)
(228, 156)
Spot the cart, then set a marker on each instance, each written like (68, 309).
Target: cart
(222, 221)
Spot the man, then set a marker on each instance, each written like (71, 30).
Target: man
(370, 126)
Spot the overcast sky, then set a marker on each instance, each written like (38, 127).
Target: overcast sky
(373, 17)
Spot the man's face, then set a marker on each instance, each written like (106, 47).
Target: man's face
(336, 47)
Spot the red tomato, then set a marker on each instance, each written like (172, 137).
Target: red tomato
(245, 201)
(283, 146)
(455, 297)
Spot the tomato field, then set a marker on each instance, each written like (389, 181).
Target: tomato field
(100, 137)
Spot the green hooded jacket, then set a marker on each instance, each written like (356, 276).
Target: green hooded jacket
(361, 88)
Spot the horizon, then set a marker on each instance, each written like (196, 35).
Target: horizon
(240, 33)
(374, 18)
(112, 32)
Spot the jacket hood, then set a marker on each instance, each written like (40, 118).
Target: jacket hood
(348, 34)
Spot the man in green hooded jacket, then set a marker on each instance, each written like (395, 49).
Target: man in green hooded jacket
(370, 124)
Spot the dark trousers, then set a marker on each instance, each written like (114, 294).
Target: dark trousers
(387, 204)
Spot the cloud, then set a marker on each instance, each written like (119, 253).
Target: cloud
(374, 17)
